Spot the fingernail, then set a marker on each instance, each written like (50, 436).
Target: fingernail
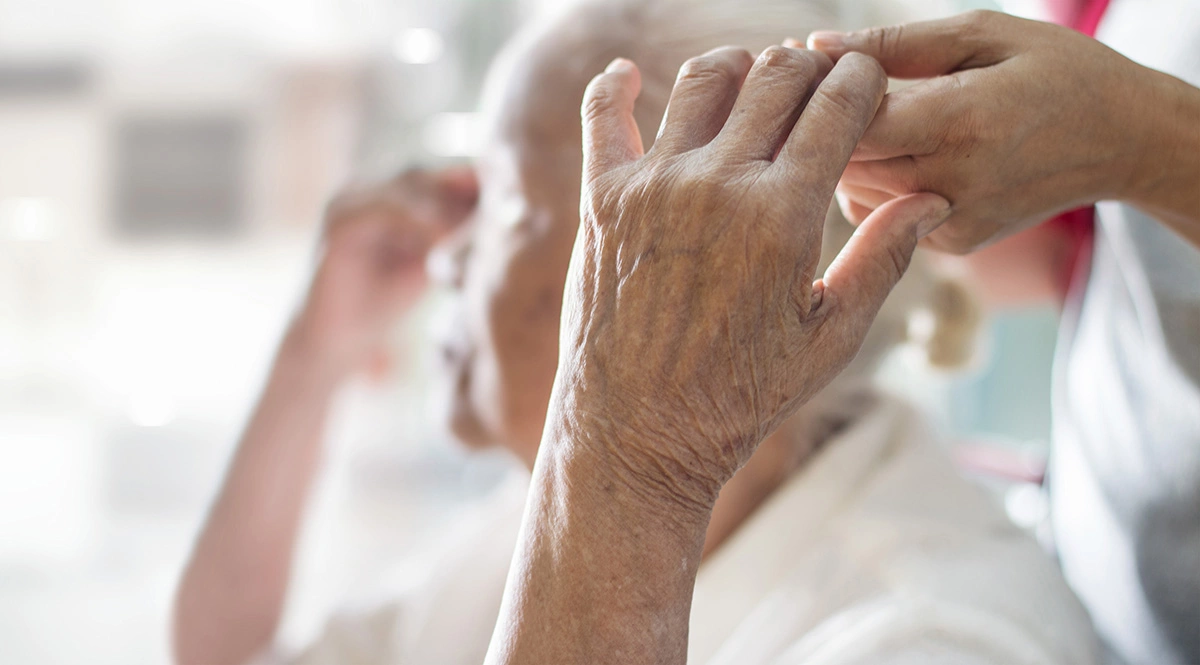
(618, 65)
(833, 43)
(939, 212)
(792, 42)
(817, 296)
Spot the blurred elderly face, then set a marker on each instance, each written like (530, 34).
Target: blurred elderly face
(499, 342)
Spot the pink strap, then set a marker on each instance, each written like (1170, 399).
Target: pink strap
(1082, 15)
(1079, 224)
(1087, 20)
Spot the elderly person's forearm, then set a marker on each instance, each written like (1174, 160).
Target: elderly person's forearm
(231, 597)
(606, 566)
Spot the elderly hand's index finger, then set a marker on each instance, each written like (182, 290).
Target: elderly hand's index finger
(822, 140)
(610, 133)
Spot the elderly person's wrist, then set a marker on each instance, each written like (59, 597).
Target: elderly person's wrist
(606, 563)
(606, 463)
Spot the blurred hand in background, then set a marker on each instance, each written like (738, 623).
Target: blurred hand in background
(372, 267)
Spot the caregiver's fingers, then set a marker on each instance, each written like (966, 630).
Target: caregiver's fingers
(863, 196)
(927, 48)
(772, 98)
(872, 262)
(897, 176)
(610, 134)
(819, 145)
(853, 211)
(704, 94)
(915, 120)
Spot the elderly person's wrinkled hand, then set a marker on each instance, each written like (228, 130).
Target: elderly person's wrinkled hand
(1020, 121)
(691, 322)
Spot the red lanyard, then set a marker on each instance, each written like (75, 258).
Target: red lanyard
(1080, 224)
(1088, 17)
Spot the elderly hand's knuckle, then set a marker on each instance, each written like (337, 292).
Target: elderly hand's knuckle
(776, 56)
(807, 64)
(698, 67)
(845, 101)
(603, 94)
(779, 56)
(721, 66)
(600, 96)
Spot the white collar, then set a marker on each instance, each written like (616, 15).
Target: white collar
(761, 552)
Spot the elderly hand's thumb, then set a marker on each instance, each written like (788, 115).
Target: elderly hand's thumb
(876, 257)
(921, 213)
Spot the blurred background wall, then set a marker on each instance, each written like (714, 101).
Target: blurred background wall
(163, 166)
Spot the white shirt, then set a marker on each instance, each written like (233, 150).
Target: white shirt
(875, 552)
(1125, 471)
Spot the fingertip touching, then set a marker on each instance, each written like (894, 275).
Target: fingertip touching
(835, 118)
(911, 216)
(879, 252)
(772, 98)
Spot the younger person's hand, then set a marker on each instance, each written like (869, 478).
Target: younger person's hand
(1018, 121)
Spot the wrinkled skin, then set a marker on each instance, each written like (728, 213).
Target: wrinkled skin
(691, 320)
(691, 328)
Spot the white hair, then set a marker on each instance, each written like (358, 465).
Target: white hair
(659, 35)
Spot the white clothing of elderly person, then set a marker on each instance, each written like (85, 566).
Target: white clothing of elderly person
(847, 537)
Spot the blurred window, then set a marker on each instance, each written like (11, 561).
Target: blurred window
(180, 176)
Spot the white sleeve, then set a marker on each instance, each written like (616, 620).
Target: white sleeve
(921, 634)
(368, 637)
(926, 650)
